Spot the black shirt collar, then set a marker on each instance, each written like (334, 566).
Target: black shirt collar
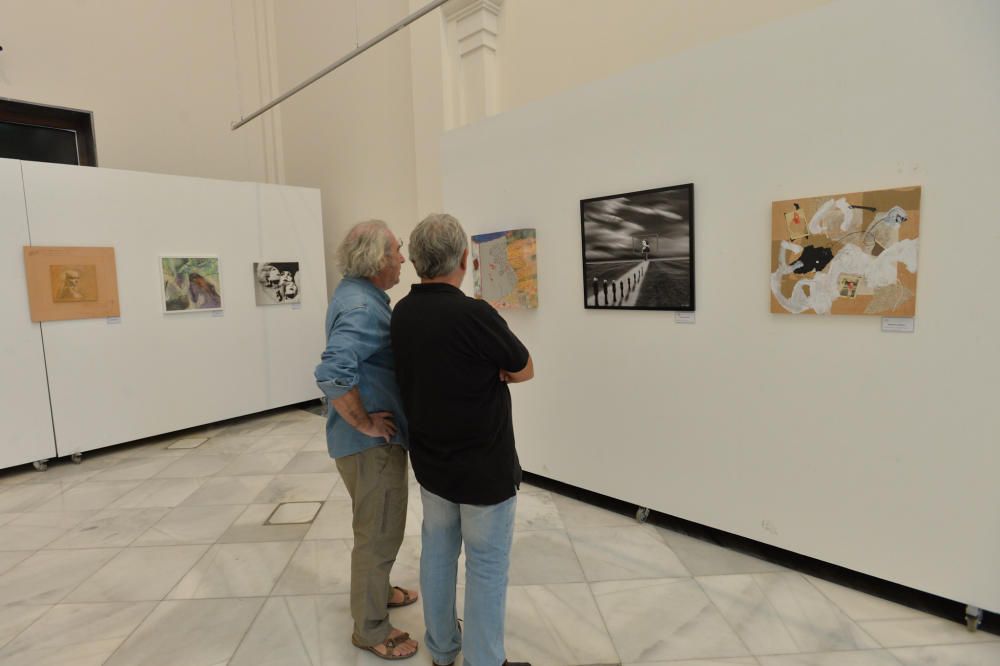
(436, 287)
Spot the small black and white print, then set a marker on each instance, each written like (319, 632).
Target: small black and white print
(277, 282)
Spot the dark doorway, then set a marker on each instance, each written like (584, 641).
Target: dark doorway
(46, 134)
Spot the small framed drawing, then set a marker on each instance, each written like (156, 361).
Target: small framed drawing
(277, 282)
(638, 250)
(71, 282)
(190, 283)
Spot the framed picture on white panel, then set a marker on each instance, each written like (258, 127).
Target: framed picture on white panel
(190, 283)
(277, 282)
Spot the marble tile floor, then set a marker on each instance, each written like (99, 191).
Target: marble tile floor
(230, 544)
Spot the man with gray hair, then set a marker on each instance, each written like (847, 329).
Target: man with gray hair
(366, 430)
(455, 357)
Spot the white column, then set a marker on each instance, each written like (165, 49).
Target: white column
(471, 82)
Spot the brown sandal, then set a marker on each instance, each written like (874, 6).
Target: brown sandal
(407, 598)
(390, 643)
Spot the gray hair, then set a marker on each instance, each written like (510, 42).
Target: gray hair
(436, 245)
(363, 252)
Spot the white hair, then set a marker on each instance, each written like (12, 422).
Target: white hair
(436, 245)
(364, 250)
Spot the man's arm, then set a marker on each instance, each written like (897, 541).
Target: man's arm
(337, 375)
(374, 424)
(522, 375)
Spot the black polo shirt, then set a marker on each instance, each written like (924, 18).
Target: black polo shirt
(449, 350)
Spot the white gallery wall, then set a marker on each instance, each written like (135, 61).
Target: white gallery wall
(824, 436)
(25, 421)
(117, 380)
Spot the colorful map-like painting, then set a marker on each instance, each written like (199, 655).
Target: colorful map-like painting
(505, 271)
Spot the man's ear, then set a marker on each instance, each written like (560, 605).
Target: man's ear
(465, 259)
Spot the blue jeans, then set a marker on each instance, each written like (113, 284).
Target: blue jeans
(487, 532)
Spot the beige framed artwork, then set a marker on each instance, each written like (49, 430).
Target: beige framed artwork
(846, 254)
(71, 282)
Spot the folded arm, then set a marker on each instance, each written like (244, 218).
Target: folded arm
(522, 375)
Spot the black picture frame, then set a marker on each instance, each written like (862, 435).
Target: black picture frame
(639, 247)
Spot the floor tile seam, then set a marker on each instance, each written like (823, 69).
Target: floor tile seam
(942, 646)
(138, 624)
(76, 587)
(284, 569)
(774, 609)
(593, 597)
(43, 547)
(241, 543)
(298, 631)
(141, 532)
(627, 560)
(540, 529)
(781, 616)
(26, 558)
(65, 550)
(30, 625)
(655, 533)
(549, 626)
(201, 482)
(232, 597)
(208, 551)
(842, 612)
(246, 631)
(858, 621)
(988, 641)
(822, 652)
(725, 618)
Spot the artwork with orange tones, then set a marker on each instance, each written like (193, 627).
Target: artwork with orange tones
(504, 268)
(71, 282)
(846, 254)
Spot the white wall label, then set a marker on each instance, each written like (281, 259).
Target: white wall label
(683, 317)
(218, 313)
(114, 320)
(898, 324)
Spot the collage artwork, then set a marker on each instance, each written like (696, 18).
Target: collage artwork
(853, 254)
(505, 269)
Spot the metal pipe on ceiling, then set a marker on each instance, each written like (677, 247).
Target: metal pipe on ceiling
(388, 32)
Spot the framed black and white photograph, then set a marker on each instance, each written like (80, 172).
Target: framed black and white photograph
(277, 282)
(638, 250)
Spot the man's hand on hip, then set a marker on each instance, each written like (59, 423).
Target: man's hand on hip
(382, 425)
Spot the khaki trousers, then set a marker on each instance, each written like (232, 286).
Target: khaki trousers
(376, 479)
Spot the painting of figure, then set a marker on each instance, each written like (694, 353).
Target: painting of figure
(190, 283)
(71, 282)
(277, 282)
(505, 268)
(849, 254)
(638, 250)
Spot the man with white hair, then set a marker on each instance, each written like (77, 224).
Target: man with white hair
(455, 357)
(366, 430)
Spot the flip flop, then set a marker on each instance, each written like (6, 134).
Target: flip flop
(390, 644)
(407, 598)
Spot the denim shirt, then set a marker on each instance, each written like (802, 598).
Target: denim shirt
(358, 354)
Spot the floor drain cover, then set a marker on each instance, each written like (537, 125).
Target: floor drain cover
(294, 513)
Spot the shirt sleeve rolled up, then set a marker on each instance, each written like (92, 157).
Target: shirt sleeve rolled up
(351, 340)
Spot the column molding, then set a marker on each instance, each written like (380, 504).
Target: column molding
(471, 32)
